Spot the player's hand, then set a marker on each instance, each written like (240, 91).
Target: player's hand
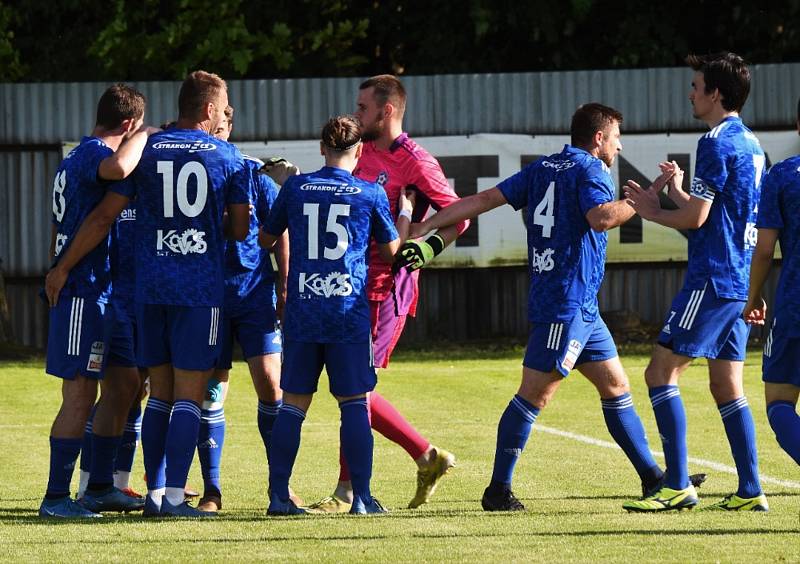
(54, 283)
(676, 180)
(407, 199)
(413, 255)
(645, 202)
(755, 312)
(278, 169)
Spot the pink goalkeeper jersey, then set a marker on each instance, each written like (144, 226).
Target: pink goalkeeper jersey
(405, 163)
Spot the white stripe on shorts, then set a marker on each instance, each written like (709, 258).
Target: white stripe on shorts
(687, 319)
(212, 330)
(554, 338)
(75, 323)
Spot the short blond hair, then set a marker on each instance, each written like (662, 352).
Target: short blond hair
(198, 89)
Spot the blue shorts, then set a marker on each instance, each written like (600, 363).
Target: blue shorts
(700, 324)
(121, 331)
(76, 338)
(186, 337)
(781, 363)
(255, 330)
(350, 367)
(562, 346)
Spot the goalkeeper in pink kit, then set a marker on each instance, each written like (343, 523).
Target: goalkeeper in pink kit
(391, 159)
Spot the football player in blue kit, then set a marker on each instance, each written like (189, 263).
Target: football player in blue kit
(76, 339)
(570, 201)
(331, 216)
(185, 182)
(249, 315)
(705, 319)
(779, 220)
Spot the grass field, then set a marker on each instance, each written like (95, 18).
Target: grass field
(573, 489)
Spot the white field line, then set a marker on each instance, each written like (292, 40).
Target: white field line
(699, 461)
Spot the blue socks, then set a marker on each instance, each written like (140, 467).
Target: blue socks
(181, 441)
(355, 436)
(785, 423)
(512, 434)
(101, 474)
(130, 438)
(283, 448)
(155, 423)
(671, 421)
(209, 447)
(627, 430)
(63, 454)
(741, 431)
(267, 413)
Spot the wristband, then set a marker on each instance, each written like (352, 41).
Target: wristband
(404, 213)
(436, 242)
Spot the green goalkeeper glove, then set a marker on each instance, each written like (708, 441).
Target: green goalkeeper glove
(278, 169)
(416, 254)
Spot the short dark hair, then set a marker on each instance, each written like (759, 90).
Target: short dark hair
(388, 88)
(198, 89)
(118, 103)
(727, 72)
(229, 115)
(590, 118)
(341, 133)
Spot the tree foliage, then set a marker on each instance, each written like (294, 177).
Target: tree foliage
(74, 40)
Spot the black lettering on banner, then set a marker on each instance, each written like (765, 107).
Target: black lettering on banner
(465, 171)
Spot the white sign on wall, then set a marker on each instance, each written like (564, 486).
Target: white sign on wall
(479, 162)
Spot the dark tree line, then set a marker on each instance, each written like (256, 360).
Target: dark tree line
(78, 40)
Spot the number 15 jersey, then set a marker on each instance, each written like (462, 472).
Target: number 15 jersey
(331, 216)
(567, 258)
(182, 184)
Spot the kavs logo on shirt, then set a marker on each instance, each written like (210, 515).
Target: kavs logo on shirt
(334, 284)
(190, 241)
(542, 262)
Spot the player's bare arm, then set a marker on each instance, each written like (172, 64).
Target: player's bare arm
(405, 206)
(755, 312)
(92, 231)
(53, 235)
(267, 240)
(281, 251)
(388, 250)
(238, 221)
(124, 160)
(610, 215)
(646, 202)
(465, 208)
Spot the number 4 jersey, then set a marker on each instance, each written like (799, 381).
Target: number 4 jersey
(567, 258)
(182, 184)
(331, 216)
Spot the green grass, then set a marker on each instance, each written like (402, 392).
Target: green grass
(573, 491)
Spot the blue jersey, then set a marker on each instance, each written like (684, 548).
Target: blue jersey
(780, 209)
(728, 172)
(249, 277)
(182, 184)
(77, 189)
(330, 215)
(566, 257)
(121, 252)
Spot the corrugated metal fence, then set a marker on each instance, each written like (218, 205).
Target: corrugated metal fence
(37, 118)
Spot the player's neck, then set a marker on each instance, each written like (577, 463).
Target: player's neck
(184, 123)
(392, 132)
(113, 139)
(343, 164)
(717, 116)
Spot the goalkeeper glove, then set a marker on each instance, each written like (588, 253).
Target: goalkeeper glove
(416, 254)
(278, 169)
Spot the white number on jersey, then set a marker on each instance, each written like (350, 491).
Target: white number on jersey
(192, 168)
(758, 162)
(543, 214)
(333, 226)
(59, 202)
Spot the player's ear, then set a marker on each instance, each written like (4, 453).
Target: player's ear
(599, 136)
(388, 110)
(359, 150)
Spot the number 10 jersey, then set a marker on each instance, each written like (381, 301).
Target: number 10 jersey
(567, 258)
(182, 184)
